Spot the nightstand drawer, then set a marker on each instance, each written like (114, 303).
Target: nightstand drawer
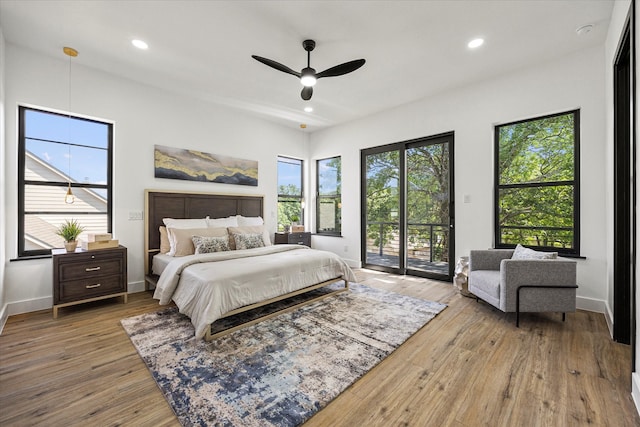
(303, 238)
(90, 287)
(299, 241)
(74, 271)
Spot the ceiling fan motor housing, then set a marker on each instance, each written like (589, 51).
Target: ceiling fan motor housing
(309, 45)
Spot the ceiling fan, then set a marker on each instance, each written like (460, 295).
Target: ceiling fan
(308, 75)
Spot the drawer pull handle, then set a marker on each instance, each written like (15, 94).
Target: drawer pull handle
(92, 269)
(301, 243)
(97, 285)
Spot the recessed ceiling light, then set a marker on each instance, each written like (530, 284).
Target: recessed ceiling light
(140, 44)
(475, 43)
(308, 109)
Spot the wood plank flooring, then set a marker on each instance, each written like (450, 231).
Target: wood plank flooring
(470, 366)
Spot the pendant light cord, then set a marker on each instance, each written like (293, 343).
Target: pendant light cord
(70, 52)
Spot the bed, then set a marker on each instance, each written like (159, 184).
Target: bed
(211, 286)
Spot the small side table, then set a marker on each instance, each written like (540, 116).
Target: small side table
(303, 238)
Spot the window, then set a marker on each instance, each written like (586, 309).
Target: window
(56, 151)
(290, 192)
(329, 200)
(537, 183)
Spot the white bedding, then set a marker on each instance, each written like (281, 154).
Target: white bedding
(160, 262)
(206, 286)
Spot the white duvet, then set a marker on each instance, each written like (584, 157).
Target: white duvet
(206, 286)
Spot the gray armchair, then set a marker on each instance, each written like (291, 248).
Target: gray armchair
(518, 285)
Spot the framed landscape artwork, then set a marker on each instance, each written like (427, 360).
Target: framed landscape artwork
(191, 165)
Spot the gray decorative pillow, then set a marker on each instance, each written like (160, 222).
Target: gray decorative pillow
(248, 241)
(525, 253)
(207, 245)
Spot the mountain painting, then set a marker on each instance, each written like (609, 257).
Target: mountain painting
(191, 165)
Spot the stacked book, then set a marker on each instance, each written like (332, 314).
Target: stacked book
(98, 241)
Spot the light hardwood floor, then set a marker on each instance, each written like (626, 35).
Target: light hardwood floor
(470, 366)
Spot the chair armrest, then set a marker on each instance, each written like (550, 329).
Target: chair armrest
(536, 272)
(488, 259)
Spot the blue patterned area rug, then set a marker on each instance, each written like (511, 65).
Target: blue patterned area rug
(283, 370)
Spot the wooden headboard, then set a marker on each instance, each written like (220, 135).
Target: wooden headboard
(160, 204)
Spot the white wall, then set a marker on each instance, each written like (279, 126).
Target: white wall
(471, 112)
(143, 116)
(3, 305)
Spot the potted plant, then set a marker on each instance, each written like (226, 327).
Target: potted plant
(69, 231)
(294, 219)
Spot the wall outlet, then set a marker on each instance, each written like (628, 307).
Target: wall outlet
(136, 215)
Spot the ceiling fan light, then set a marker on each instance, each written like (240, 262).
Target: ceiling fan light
(308, 77)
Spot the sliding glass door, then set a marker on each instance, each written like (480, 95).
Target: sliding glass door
(383, 225)
(407, 209)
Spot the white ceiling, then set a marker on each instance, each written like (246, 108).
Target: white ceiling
(413, 49)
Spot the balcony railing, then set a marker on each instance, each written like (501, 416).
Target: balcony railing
(425, 241)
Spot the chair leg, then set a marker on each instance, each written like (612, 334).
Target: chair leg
(518, 317)
(564, 316)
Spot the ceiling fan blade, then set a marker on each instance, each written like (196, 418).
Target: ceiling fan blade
(341, 69)
(278, 66)
(307, 91)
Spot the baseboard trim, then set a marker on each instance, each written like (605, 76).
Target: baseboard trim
(352, 263)
(608, 315)
(4, 315)
(45, 303)
(134, 287)
(635, 390)
(27, 306)
(591, 304)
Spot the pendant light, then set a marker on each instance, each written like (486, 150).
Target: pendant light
(71, 53)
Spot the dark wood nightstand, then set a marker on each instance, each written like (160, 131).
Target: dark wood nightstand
(84, 276)
(303, 238)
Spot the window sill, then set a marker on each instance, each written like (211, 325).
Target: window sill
(571, 256)
(30, 257)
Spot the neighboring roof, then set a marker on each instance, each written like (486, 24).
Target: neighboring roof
(40, 230)
(41, 234)
(39, 170)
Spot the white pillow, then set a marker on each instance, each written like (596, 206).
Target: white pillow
(181, 223)
(521, 252)
(230, 221)
(185, 223)
(249, 220)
